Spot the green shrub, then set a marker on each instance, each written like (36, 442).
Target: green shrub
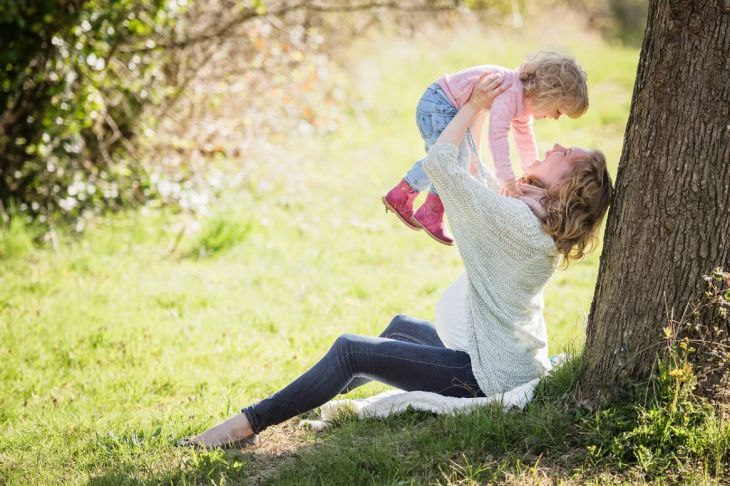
(16, 240)
(219, 233)
(73, 86)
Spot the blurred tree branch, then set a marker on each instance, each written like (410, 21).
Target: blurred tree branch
(248, 13)
(97, 97)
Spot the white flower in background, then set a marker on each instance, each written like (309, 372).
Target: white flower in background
(67, 203)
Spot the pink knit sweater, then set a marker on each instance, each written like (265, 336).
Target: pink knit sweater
(507, 110)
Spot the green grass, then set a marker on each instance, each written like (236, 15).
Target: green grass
(153, 326)
(16, 241)
(553, 440)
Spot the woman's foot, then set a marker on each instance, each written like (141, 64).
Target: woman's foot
(234, 432)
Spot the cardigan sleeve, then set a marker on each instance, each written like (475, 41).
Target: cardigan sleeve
(497, 236)
(476, 213)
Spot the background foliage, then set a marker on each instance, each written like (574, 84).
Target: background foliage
(107, 104)
(155, 324)
(71, 97)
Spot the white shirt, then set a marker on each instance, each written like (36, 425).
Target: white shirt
(451, 322)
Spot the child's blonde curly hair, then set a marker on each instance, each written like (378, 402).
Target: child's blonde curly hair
(553, 79)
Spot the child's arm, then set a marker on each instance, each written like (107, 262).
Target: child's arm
(479, 216)
(500, 120)
(525, 140)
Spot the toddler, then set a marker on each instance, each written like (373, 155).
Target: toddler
(546, 85)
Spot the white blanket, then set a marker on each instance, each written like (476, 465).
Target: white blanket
(396, 401)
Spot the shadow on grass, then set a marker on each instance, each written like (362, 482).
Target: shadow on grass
(278, 447)
(483, 447)
(488, 444)
(551, 440)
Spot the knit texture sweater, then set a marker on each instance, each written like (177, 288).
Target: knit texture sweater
(508, 260)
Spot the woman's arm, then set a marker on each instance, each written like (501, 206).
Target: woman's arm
(476, 128)
(476, 213)
(485, 90)
(482, 96)
(456, 129)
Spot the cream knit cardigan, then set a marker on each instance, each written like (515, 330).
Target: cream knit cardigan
(508, 260)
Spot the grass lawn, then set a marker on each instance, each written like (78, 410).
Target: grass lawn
(113, 345)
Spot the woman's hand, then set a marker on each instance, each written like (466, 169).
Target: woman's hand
(482, 95)
(488, 87)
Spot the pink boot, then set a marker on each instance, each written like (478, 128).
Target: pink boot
(430, 216)
(400, 201)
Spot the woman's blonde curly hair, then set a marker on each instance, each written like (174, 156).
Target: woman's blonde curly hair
(575, 207)
(553, 79)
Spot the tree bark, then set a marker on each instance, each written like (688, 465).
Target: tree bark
(669, 223)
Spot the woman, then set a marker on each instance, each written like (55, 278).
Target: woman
(490, 334)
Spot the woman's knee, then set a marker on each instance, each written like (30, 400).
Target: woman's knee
(406, 326)
(344, 343)
(410, 329)
(346, 349)
(396, 323)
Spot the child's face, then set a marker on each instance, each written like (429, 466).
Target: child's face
(541, 112)
(556, 165)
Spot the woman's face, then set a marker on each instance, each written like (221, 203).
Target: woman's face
(556, 165)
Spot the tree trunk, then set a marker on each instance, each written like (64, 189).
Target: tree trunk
(670, 221)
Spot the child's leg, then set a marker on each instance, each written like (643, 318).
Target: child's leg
(416, 177)
(433, 114)
(430, 216)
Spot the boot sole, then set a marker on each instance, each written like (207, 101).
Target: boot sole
(425, 230)
(390, 208)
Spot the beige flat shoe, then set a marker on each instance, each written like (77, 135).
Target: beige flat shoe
(236, 444)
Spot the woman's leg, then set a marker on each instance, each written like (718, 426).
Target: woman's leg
(404, 365)
(426, 365)
(407, 329)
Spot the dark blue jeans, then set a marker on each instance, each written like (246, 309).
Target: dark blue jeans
(408, 355)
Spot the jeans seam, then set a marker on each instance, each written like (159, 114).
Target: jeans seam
(360, 353)
(408, 336)
(423, 120)
(438, 97)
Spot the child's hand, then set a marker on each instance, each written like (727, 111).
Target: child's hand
(511, 189)
(486, 89)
